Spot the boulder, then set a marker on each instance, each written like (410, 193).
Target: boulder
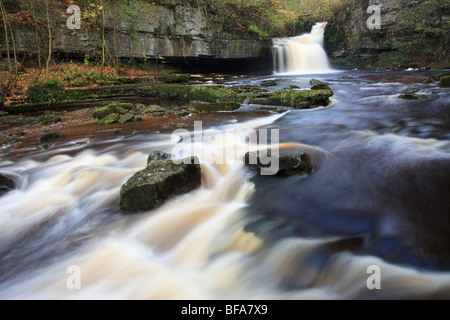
(6, 184)
(127, 117)
(288, 164)
(412, 96)
(110, 119)
(48, 136)
(159, 181)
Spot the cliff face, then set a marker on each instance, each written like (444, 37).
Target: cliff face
(411, 32)
(178, 33)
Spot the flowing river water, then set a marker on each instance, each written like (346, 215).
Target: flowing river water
(378, 196)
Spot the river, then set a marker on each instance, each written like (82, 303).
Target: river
(378, 199)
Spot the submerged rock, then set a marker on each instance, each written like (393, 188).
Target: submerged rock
(48, 136)
(159, 181)
(6, 184)
(285, 164)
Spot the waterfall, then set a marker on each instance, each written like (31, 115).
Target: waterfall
(301, 54)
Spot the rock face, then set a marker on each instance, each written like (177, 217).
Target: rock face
(351, 34)
(6, 184)
(160, 180)
(181, 32)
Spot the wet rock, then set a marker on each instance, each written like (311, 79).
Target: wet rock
(156, 111)
(48, 118)
(48, 136)
(120, 108)
(157, 156)
(269, 83)
(208, 107)
(42, 147)
(413, 96)
(15, 120)
(287, 164)
(110, 119)
(318, 85)
(127, 117)
(116, 131)
(6, 184)
(159, 181)
(298, 99)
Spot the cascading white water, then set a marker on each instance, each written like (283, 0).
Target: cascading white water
(301, 54)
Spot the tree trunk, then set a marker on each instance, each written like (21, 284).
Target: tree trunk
(49, 41)
(103, 37)
(2, 9)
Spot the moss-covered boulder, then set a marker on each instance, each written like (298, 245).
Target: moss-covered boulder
(110, 119)
(298, 99)
(159, 181)
(285, 164)
(120, 108)
(48, 136)
(210, 107)
(48, 119)
(6, 184)
(413, 96)
(102, 112)
(319, 85)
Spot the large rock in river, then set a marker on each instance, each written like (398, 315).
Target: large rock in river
(160, 180)
(282, 164)
(6, 184)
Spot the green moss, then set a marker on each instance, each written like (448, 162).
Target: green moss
(136, 132)
(157, 182)
(269, 83)
(116, 131)
(49, 118)
(201, 93)
(110, 119)
(412, 96)
(207, 107)
(42, 147)
(48, 136)
(15, 119)
(298, 99)
(51, 90)
(102, 112)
